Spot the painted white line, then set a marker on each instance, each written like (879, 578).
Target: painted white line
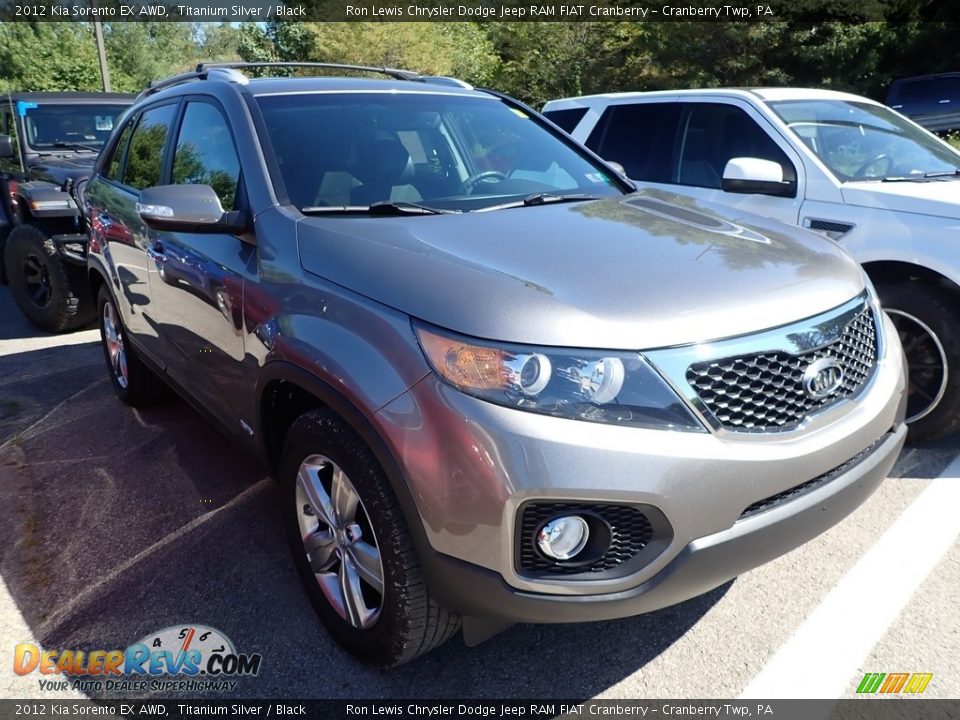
(823, 655)
(94, 590)
(14, 346)
(31, 430)
(14, 630)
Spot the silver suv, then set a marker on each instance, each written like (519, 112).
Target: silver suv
(495, 383)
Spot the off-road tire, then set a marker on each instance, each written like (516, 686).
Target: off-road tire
(907, 302)
(41, 283)
(410, 622)
(141, 386)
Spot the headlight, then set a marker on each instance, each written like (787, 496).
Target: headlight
(608, 387)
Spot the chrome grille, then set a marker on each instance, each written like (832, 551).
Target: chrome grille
(764, 391)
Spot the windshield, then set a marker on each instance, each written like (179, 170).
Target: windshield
(71, 126)
(445, 152)
(860, 141)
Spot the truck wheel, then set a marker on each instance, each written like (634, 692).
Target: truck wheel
(928, 322)
(134, 383)
(352, 548)
(40, 282)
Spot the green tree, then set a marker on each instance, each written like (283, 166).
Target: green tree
(459, 49)
(48, 56)
(138, 52)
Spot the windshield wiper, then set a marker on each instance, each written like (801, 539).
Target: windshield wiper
(75, 146)
(540, 199)
(402, 207)
(942, 173)
(383, 207)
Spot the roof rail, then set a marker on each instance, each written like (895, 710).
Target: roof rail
(395, 73)
(231, 71)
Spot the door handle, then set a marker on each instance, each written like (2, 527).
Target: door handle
(155, 252)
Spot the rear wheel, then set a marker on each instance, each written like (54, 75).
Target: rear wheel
(134, 383)
(928, 323)
(40, 282)
(352, 548)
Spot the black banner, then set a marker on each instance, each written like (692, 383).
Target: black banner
(460, 10)
(857, 709)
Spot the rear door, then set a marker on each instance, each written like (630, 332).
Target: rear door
(135, 161)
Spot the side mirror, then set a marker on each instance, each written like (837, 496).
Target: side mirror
(186, 208)
(6, 147)
(617, 166)
(753, 175)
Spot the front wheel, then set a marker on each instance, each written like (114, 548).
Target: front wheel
(928, 322)
(352, 548)
(41, 284)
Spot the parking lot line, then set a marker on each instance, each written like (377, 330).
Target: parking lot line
(14, 628)
(16, 346)
(822, 657)
(92, 590)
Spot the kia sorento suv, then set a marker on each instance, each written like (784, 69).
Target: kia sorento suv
(495, 383)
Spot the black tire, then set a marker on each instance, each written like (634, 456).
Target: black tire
(41, 283)
(927, 319)
(134, 383)
(407, 621)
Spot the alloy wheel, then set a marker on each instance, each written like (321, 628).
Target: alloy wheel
(339, 542)
(113, 337)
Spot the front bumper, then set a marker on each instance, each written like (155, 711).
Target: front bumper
(470, 466)
(701, 566)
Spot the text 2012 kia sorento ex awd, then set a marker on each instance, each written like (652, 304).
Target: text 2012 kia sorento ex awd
(495, 386)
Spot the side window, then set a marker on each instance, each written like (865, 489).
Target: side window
(205, 153)
(145, 157)
(713, 134)
(115, 164)
(8, 126)
(566, 119)
(640, 137)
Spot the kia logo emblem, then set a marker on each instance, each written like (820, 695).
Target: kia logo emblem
(822, 378)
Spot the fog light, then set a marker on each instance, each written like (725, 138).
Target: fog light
(564, 537)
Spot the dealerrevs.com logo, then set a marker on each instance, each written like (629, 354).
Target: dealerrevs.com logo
(179, 658)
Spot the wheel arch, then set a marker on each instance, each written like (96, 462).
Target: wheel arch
(285, 391)
(889, 271)
(95, 279)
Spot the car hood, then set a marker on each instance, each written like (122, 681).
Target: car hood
(57, 168)
(931, 197)
(636, 272)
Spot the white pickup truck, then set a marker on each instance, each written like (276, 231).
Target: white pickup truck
(881, 186)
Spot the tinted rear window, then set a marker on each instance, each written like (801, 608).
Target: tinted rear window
(923, 90)
(640, 137)
(567, 119)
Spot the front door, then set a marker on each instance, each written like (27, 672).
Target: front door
(196, 279)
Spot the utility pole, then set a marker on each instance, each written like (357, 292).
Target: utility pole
(102, 54)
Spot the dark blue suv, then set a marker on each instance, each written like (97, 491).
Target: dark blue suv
(929, 100)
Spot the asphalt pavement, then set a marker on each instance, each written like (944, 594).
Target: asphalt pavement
(115, 524)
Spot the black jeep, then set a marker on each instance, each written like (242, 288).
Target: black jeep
(48, 144)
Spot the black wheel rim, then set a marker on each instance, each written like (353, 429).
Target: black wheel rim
(926, 361)
(36, 278)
